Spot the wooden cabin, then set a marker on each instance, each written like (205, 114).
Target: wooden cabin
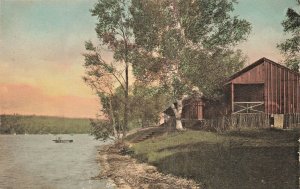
(192, 110)
(263, 87)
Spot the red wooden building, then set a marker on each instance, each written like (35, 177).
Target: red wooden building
(264, 86)
(192, 109)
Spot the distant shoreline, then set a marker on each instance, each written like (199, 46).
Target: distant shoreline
(47, 116)
(31, 124)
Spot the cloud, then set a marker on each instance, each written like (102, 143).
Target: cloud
(27, 99)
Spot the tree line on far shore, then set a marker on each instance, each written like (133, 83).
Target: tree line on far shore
(21, 124)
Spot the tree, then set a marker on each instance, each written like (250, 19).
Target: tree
(114, 32)
(104, 78)
(111, 108)
(179, 42)
(291, 46)
(213, 70)
(146, 104)
(11, 124)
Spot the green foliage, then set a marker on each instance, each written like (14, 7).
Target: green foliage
(291, 46)
(11, 125)
(212, 70)
(89, 46)
(101, 129)
(161, 40)
(20, 124)
(112, 108)
(146, 104)
(114, 32)
(114, 26)
(186, 43)
(211, 24)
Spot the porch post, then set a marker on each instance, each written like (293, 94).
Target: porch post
(232, 98)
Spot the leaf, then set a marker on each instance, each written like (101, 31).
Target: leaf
(89, 46)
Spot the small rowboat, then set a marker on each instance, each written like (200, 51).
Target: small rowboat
(59, 140)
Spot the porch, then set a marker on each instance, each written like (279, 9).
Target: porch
(247, 98)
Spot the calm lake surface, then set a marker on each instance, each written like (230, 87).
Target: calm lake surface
(35, 161)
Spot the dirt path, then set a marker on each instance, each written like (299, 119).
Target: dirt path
(127, 173)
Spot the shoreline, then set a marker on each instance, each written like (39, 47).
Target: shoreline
(127, 173)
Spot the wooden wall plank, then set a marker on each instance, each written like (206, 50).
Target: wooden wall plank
(281, 87)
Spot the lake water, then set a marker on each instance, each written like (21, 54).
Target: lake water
(35, 161)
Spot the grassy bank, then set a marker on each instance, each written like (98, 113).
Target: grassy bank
(237, 159)
(43, 125)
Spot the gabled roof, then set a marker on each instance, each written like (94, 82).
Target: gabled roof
(258, 62)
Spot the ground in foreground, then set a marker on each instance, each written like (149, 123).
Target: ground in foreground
(257, 158)
(127, 173)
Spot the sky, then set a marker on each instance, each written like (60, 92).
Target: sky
(42, 41)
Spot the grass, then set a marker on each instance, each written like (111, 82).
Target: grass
(257, 158)
(45, 124)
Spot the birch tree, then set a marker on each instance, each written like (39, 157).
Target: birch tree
(104, 78)
(114, 32)
(175, 38)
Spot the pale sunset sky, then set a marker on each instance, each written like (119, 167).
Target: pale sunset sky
(42, 41)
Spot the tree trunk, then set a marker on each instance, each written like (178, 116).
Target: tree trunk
(126, 101)
(113, 120)
(178, 114)
(179, 124)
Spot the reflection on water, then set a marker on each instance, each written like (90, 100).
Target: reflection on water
(35, 161)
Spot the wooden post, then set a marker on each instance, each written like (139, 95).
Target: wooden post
(232, 97)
